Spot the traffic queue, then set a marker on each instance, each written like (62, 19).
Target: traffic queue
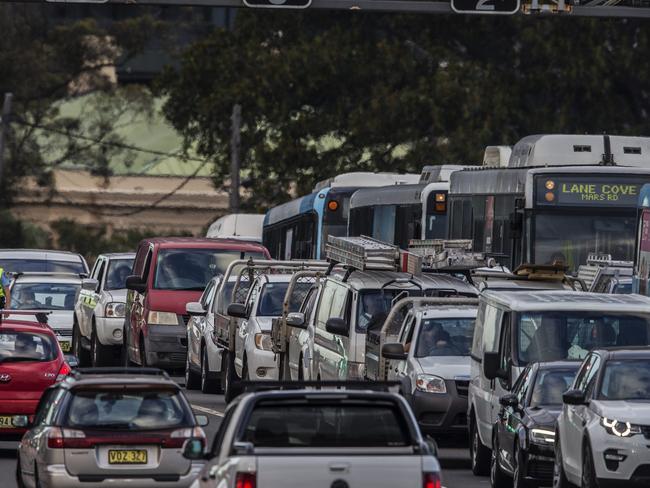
(351, 353)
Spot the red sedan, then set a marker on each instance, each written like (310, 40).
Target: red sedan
(30, 361)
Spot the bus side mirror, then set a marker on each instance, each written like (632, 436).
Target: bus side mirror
(491, 365)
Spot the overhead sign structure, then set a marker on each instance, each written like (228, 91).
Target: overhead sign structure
(489, 7)
(279, 4)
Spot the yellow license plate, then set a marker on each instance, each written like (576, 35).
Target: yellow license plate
(123, 456)
(6, 423)
(65, 346)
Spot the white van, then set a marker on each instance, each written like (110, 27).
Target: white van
(514, 329)
(245, 227)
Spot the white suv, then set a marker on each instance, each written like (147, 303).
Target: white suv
(603, 431)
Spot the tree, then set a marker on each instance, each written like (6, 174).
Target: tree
(325, 92)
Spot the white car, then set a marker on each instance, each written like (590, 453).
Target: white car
(603, 430)
(204, 353)
(301, 338)
(99, 311)
(55, 293)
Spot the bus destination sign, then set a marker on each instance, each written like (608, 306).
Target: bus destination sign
(587, 191)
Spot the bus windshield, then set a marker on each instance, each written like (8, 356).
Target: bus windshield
(571, 238)
(555, 336)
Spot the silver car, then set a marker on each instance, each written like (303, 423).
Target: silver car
(99, 311)
(124, 427)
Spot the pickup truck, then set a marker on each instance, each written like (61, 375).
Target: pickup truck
(342, 438)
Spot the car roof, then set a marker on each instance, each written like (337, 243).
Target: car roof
(547, 365)
(111, 379)
(640, 352)
(371, 279)
(117, 255)
(43, 254)
(438, 311)
(332, 394)
(50, 278)
(558, 300)
(25, 326)
(204, 243)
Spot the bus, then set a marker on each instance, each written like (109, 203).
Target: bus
(298, 229)
(561, 198)
(399, 213)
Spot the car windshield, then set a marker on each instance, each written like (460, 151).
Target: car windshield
(44, 296)
(626, 380)
(554, 336)
(445, 337)
(571, 238)
(42, 266)
(549, 386)
(191, 269)
(623, 288)
(272, 297)
(128, 410)
(26, 347)
(319, 424)
(118, 271)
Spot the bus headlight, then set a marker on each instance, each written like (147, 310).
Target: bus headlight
(430, 383)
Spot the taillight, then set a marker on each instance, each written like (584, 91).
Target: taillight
(64, 371)
(67, 439)
(246, 480)
(431, 480)
(178, 437)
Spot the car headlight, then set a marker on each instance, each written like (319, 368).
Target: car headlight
(263, 341)
(618, 428)
(115, 309)
(542, 436)
(430, 383)
(162, 318)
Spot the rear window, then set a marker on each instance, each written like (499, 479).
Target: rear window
(327, 425)
(26, 347)
(42, 266)
(128, 410)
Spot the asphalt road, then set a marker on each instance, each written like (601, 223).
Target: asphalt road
(454, 458)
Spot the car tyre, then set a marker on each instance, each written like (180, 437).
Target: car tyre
(518, 477)
(588, 471)
(82, 354)
(100, 354)
(143, 353)
(559, 476)
(229, 378)
(479, 454)
(208, 383)
(498, 479)
(192, 380)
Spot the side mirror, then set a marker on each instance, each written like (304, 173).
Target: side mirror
(574, 397)
(296, 319)
(90, 284)
(195, 309)
(337, 326)
(72, 360)
(491, 365)
(237, 310)
(202, 420)
(193, 449)
(135, 283)
(393, 351)
(509, 401)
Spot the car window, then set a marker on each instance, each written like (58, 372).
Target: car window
(44, 296)
(309, 303)
(118, 271)
(523, 385)
(272, 297)
(221, 432)
(626, 380)
(26, 347)
(224, 297)
(50, 400)
(207, 294)
(445, 337)
(588, 372)
(127, 410)
(325, 305)
(550, 385)
(326, 424)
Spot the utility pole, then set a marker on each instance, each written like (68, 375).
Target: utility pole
(235, 149)
(4, 130)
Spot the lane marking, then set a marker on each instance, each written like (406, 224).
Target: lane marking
(207, 410)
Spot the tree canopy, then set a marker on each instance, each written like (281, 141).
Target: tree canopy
(328, 92)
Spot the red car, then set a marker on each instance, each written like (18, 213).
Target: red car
(31, 360)
(167, 274)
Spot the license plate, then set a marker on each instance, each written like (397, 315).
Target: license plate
(65, 346)
(123, 456)
(6, 423)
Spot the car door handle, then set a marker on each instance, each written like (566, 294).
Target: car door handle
(339, 467)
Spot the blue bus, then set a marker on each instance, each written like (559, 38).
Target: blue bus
(298, 229)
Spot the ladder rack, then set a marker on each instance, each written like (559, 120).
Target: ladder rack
(363, 253)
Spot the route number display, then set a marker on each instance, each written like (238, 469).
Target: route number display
(489, 7)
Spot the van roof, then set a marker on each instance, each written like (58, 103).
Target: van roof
(41, 254)
(204, 243)
(557, 300)
(372, 280)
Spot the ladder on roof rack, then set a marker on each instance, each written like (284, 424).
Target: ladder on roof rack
(363, 253)
(449, 255)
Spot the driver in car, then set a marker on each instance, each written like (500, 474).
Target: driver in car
(434, 338)
(28, 300)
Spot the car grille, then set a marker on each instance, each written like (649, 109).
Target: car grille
(63, 332)
(462, 387)
(177, 357)
(542, 470)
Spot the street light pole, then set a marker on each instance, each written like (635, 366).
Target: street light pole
(4, 130)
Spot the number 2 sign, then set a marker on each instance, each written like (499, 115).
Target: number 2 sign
(493, 7)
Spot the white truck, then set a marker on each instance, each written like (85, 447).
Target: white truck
(342, 438)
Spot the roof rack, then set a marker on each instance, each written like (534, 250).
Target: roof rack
(449, 255)
(602, 259)
(111, 370)
(363, 253)
(40, 315)
(254, 386)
